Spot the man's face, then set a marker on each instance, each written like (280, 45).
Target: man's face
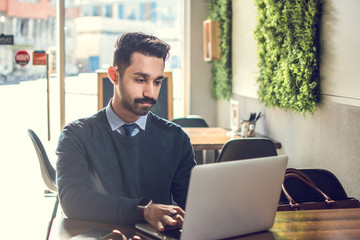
(140, 85)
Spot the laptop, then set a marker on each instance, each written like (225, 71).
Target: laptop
(229, 199)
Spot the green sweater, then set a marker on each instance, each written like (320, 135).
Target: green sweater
(102, 175)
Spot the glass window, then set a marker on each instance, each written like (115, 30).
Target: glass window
(23, 27)
(143, 12)
(85, 11)
(95, 34)
(107, 11)
(153, 14)
(95, 11)
(120, 11)
(91, 29)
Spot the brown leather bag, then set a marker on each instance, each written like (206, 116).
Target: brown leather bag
(328, 203)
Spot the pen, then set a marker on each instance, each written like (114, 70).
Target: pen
(258, 116)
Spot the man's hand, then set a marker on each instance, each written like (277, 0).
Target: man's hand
(159, 216)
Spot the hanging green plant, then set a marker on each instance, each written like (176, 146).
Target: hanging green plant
(288, 42)
(221, 80)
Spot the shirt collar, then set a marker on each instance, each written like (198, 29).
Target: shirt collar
(116, 122)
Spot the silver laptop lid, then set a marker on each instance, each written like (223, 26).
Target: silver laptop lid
(233, 198)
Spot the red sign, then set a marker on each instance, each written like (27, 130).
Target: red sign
(39, 58)
(22, 57)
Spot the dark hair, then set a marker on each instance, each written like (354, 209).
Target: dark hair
(128, 43)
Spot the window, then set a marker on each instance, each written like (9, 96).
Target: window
(121, 11)
(91, 29)
(90, 34)
(24, 27)
(95, 11)
(107, 11)
(153, 14)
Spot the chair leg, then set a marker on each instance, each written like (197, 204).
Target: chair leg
(53, 215)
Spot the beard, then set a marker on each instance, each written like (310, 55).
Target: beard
(135, 105)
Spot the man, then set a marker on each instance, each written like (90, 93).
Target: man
(107, 173)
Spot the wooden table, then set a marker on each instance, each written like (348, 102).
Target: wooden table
(315, 224)
(214, 138)
(339, 224)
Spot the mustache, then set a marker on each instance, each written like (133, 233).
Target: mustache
(145, 99)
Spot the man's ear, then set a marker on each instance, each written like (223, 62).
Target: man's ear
(112, 74)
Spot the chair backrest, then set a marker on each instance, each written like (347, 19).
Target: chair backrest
(48, 173)
(245, 148)
(325, 180)
(190, 122)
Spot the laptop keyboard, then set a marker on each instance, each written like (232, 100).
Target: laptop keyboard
(174, 232)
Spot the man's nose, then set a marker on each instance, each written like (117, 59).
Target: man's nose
(150, 91)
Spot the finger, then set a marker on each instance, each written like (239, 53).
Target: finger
(173, 213)
(179, 210)
(167, 220)
(160, 227)
(179, 219)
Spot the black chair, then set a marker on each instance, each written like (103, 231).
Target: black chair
(191, 121)
(194, 121)
(246, 148)
(48, 173)
(325, 180)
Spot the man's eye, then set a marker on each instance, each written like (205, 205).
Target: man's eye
(140, 80)
(157, 83)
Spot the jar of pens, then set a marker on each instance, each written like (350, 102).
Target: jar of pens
(247, 127)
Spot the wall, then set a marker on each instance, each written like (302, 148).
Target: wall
(330, 138)
(340, 52)
(199, 71)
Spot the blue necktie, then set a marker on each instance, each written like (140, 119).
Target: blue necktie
(129, 128)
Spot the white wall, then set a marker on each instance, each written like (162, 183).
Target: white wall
(340, 51)
(330, 138)
(244, 59)
(199, 70)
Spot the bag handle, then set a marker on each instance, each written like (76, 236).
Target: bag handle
(294, 205)
(298, 172)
